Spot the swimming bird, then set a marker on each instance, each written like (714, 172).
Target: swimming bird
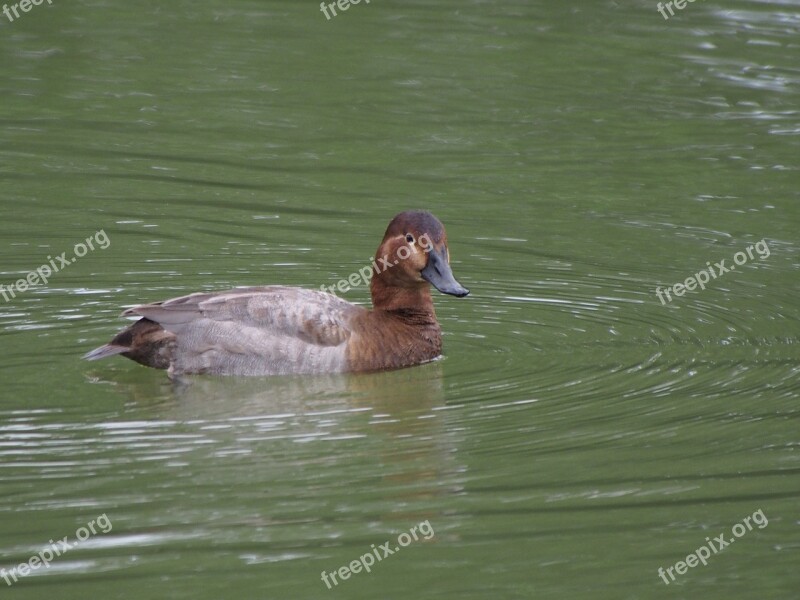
(278, 330)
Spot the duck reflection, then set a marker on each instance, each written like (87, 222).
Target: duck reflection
(383, 426)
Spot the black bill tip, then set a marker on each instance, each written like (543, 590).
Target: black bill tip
(439, 275)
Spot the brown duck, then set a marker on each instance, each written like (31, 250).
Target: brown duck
(275, 330)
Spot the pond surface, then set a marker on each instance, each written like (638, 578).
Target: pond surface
(579, 434)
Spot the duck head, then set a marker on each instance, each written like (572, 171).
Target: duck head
(412, 255)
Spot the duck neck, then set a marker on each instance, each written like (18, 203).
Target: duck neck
(411, 304)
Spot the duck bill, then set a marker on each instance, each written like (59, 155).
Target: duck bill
(440, 276)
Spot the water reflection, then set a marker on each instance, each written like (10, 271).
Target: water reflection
(392, 421)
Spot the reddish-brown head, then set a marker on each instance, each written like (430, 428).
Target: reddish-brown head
(412, 255)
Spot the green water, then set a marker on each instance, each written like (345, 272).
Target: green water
(578, 435)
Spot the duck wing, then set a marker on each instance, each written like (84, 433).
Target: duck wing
(256, 331)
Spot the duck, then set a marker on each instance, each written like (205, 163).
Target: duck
(283, 330)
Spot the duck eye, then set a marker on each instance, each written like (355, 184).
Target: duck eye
(409, 238)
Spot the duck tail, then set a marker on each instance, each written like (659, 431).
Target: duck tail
(105, 352)
(145, 342)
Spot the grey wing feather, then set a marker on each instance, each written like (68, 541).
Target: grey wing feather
(311, 316)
